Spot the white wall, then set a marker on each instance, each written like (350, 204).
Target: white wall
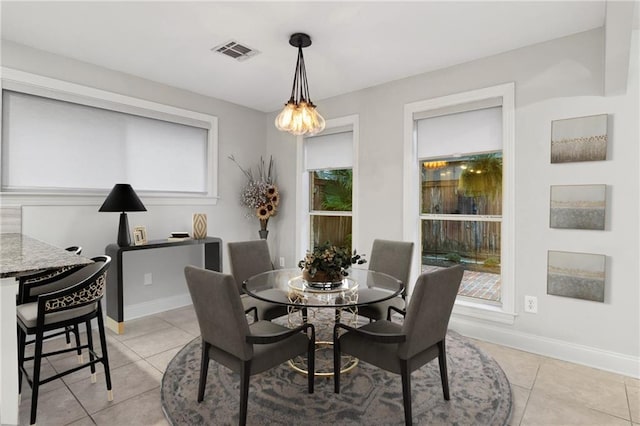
(558, 79)
(241, 133)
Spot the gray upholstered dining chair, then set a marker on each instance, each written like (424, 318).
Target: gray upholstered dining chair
(391, 258)
(230, 340)
(402, 349)
(249, 258)
(75, 300)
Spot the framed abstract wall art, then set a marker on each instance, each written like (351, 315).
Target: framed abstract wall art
(577, 206)
(577, 275)
(579, 139)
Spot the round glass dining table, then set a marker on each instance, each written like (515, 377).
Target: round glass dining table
(287, 287)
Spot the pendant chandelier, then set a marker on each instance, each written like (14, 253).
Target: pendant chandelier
(299, 116)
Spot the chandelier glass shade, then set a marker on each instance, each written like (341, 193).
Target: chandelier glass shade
(299, 115)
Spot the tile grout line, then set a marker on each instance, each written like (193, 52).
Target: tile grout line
(120, 402)
(626, 392)
(144, 358)
(74, 395)
(526, 404)
(589, 407)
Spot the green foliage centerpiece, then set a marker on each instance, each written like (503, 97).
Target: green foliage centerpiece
(327, 265)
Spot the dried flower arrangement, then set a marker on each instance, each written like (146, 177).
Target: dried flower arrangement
(260, 196)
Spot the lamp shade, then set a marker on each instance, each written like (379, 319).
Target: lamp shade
(122, 198)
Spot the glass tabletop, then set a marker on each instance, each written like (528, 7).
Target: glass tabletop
(286, 287)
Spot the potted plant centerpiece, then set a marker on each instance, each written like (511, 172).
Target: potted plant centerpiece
(327, 264)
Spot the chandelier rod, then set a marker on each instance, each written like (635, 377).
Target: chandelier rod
(294, 87)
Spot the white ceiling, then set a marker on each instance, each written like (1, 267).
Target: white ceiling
(355, 44)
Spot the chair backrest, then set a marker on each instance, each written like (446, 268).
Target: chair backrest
(248, 258)
(74, 249)
(83, 287)
(34, 284)
(219, 309)
(429, 310)
(392, 258)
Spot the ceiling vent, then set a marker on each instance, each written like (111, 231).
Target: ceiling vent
(235, 50)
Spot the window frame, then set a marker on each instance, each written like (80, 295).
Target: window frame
(20, 81)
(504, 313)
(303, 218)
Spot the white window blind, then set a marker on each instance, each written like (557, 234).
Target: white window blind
(329, 151)
(465, 132)
(49, 144)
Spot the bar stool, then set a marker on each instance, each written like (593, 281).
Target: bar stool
(76, 302)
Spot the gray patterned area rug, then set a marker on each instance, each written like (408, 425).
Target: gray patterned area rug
(480, 393)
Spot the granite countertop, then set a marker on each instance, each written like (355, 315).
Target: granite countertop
(20, 253)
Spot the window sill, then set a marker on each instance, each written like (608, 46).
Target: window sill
(92, 199)
(464, 308)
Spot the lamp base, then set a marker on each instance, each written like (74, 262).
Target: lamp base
(124, 237)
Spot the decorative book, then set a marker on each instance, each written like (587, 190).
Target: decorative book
(179, 236)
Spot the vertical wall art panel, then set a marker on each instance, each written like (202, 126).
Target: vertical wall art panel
(577, 275)
(579, 139)
(578, 206)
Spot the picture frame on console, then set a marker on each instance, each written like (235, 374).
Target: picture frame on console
(139, 235)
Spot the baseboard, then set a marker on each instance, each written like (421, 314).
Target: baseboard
(627, 365)
(151, 307)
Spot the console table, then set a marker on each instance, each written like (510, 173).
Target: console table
(115, 302)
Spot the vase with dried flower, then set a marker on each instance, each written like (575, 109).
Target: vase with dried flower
(260, 195)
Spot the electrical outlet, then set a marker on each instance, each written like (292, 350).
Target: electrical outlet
(531, 304)
(282, 262)
(148, 279)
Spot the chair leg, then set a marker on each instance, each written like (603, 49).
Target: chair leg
(406, 392)
(91, 350)
(311, 361)
(204, 368)
(244, 392)
(105, 354)
(37, 358)
(336, 361)
(67, 336)
(442, 361)
(76, 331)
(22, 338)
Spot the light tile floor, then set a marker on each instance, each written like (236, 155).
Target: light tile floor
(546, 391)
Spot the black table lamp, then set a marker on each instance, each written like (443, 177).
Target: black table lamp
(123, 198)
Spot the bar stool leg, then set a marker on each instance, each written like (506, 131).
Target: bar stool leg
(91, 351)
(37, 358)
(76, 331)
(22, 337)
(105, 356)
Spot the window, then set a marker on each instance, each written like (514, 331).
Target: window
(461, 197)
(461, 220)
(327, 170)
(330, 208)
(65, 138)
(458, 194)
